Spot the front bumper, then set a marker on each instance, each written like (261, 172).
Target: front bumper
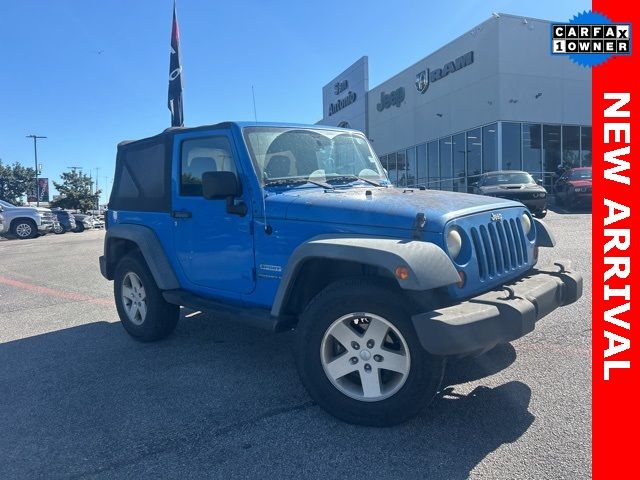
(103, 267)
(535, 205)
(580, 198)
(497, 316)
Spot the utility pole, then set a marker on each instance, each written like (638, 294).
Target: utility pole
(107, 180)
(97, 196)
(35, 154)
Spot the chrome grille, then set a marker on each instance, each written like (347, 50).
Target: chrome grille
(500, 247)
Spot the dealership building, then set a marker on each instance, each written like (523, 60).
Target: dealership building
(494, 98)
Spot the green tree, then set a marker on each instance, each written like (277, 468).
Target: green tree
(15, 182)
(75, 192)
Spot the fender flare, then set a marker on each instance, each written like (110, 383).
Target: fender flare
(429, 266)
(151, 249)
(544, 237)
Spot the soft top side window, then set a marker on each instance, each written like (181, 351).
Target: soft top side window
(142, 178)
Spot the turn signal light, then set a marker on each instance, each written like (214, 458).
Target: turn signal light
(402, 273)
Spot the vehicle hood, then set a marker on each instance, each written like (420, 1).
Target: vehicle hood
(23, 210)
(580, 183)
(391, 207)
(511, 188)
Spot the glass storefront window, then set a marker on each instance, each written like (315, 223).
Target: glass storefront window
(490, 148)
(411, 167)
(459, 171)
(570, 146)
(552, 155)
(421, 161)
(433, 166)
(391, 168)
(585, 146)
(446, 164)
(511, 146)
(401, 161)
(531, 148)
(474, 154)
(383, 161)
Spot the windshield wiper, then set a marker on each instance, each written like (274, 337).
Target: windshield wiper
(289, 181)
(356, 177)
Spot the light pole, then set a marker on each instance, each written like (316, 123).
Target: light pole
(35, 154)
(98, 196)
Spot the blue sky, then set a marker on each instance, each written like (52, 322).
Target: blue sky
(89, 73)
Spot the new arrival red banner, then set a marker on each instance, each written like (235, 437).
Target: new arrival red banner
(616, 259)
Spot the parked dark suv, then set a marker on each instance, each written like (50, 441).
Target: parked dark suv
(66, 221)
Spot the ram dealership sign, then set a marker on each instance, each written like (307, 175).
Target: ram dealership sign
(427, 77)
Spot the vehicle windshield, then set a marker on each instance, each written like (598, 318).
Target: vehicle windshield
(283, 155)
(6, 204)
(580, 174)
(506, 179)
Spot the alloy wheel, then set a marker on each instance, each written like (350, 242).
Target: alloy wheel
(365, 357)
(134, 298)
(24, 230)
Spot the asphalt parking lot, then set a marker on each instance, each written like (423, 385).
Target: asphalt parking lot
(80, 399)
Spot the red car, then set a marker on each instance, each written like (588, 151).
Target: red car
(573, 188)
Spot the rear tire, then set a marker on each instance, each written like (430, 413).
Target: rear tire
(25, 228)
(397, 393)
(143, 311)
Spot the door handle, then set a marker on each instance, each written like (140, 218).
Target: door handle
(181, 214)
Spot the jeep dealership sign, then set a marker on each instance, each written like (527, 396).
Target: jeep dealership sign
(427, 77)
(387, 99)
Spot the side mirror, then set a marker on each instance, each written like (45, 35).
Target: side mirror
(224, 185)
(218, 185)
(539, 181)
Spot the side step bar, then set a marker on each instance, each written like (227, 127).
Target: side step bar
(254, 317)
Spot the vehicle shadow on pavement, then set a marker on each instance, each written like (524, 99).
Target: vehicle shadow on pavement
(574, 210)
(222, 400)
(474, 368)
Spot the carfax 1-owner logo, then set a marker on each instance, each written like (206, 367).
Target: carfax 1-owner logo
(590, 39)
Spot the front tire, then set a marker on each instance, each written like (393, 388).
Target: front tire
(359, 357)
(143, 311)
(24, 229)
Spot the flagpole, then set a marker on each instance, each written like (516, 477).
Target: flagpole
(174, 96)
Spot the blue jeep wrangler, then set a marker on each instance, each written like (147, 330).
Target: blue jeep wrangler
(297, 227)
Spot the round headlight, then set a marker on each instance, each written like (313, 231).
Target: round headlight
(454, 243)
(526, 223)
